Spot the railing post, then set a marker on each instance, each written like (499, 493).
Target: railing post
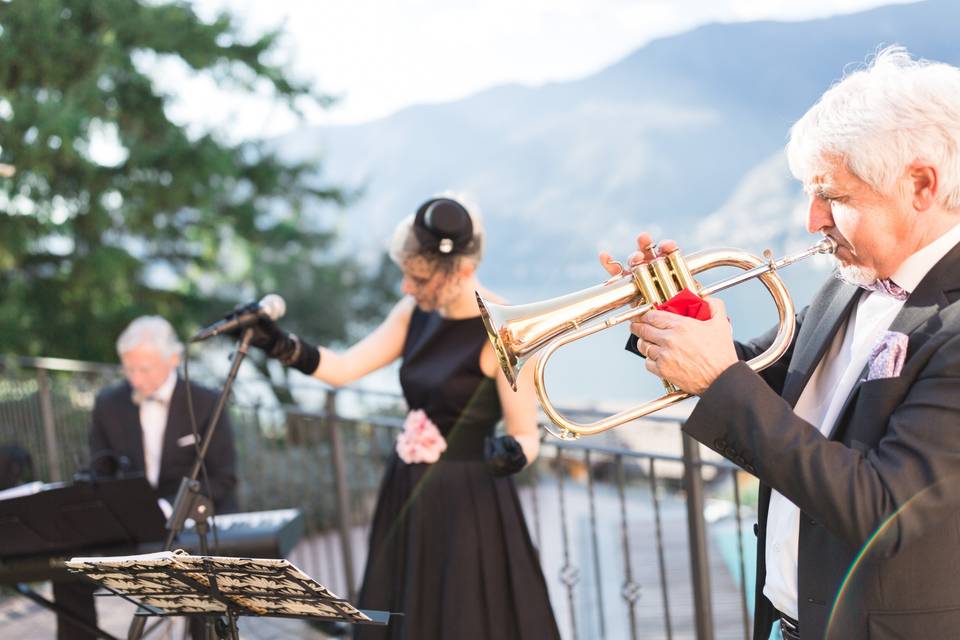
(661, 559)
(696, 529)
(49, 428)
(595, 545)
(340, 483)
(569, 574)
(744, 612)
(631, 590)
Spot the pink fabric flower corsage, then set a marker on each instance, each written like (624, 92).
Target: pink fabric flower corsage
(887, 357)
(420, 441)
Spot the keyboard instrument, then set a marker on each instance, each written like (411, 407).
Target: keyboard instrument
(257, 534)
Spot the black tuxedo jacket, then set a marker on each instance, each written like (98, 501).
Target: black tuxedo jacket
(116, 433)
(879, 552)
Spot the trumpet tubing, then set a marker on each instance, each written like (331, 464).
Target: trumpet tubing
(520, 331)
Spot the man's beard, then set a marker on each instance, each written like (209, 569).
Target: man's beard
(855, 274)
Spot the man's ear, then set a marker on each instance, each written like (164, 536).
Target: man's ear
(923, 183)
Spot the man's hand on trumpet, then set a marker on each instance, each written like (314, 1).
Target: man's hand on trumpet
(646, 251)
(686, 352)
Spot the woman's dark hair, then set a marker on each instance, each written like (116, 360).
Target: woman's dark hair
(442, 231)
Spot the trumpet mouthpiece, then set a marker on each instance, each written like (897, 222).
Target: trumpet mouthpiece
(827, 245)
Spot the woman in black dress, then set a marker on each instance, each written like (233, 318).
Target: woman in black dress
(449, 548)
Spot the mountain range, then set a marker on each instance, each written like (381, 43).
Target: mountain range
(683, 137)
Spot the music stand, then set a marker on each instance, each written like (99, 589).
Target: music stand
(174, 583)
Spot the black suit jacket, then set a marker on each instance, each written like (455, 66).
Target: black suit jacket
(116, 432)
(879, 551)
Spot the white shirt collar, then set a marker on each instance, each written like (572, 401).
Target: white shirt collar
(909, 274)
(165, 391)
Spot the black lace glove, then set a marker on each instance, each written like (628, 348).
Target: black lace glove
(504, 455)
(290, 350)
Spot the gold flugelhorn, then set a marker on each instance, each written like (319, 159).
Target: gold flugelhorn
(519, 331)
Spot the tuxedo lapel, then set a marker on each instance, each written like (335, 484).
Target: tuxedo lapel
(130, 431)
(171, 432)
(813, 343)
(922, 305)
(935, 292)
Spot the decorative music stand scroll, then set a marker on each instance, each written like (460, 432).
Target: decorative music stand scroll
(175, 583)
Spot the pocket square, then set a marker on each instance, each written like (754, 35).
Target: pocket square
(187, 440)
(887, 357)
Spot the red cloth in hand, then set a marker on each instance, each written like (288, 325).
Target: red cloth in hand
(687, 303)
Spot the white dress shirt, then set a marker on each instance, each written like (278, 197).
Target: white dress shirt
(824, 397)
(153, 423)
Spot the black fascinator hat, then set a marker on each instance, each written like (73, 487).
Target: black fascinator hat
(443, 226)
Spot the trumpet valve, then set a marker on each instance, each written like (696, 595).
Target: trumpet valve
(664, 277)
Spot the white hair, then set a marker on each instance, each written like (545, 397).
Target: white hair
(404, 244)
(153, 331)
(880, 118)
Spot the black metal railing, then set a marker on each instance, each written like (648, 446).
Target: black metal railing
(624, 542)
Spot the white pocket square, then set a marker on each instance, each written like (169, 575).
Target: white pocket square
(186, 440)
(888, 356)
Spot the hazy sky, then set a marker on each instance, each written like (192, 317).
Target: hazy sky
(380, 56)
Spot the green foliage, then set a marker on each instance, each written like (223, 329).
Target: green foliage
(178, 223)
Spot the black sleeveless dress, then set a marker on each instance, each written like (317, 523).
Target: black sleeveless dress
(449, 547)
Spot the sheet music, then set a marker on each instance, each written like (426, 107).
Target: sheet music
(139, 557)
(176, 581)
(27, 489)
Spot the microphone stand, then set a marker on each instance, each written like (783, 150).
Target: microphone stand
(190, 503)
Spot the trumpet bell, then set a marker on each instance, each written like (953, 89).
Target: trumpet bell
(496, 318)
(519, 331)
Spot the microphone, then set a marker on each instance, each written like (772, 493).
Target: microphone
(272, 306)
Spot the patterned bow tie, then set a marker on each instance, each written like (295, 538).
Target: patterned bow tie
(887, 287)
(141, 399)
(883, 286)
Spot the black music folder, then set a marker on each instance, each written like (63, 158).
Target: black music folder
(80, 515)
(175, 583)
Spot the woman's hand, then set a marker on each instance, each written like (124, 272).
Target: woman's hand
(286, 347)
(504, 455)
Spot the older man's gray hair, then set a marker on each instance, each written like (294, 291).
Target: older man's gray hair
(153, 331)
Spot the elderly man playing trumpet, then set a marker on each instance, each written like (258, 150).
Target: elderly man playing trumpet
(855, 432)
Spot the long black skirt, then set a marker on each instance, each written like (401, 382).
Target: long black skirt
(449, 549)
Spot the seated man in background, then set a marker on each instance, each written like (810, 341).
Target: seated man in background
(143, 425)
